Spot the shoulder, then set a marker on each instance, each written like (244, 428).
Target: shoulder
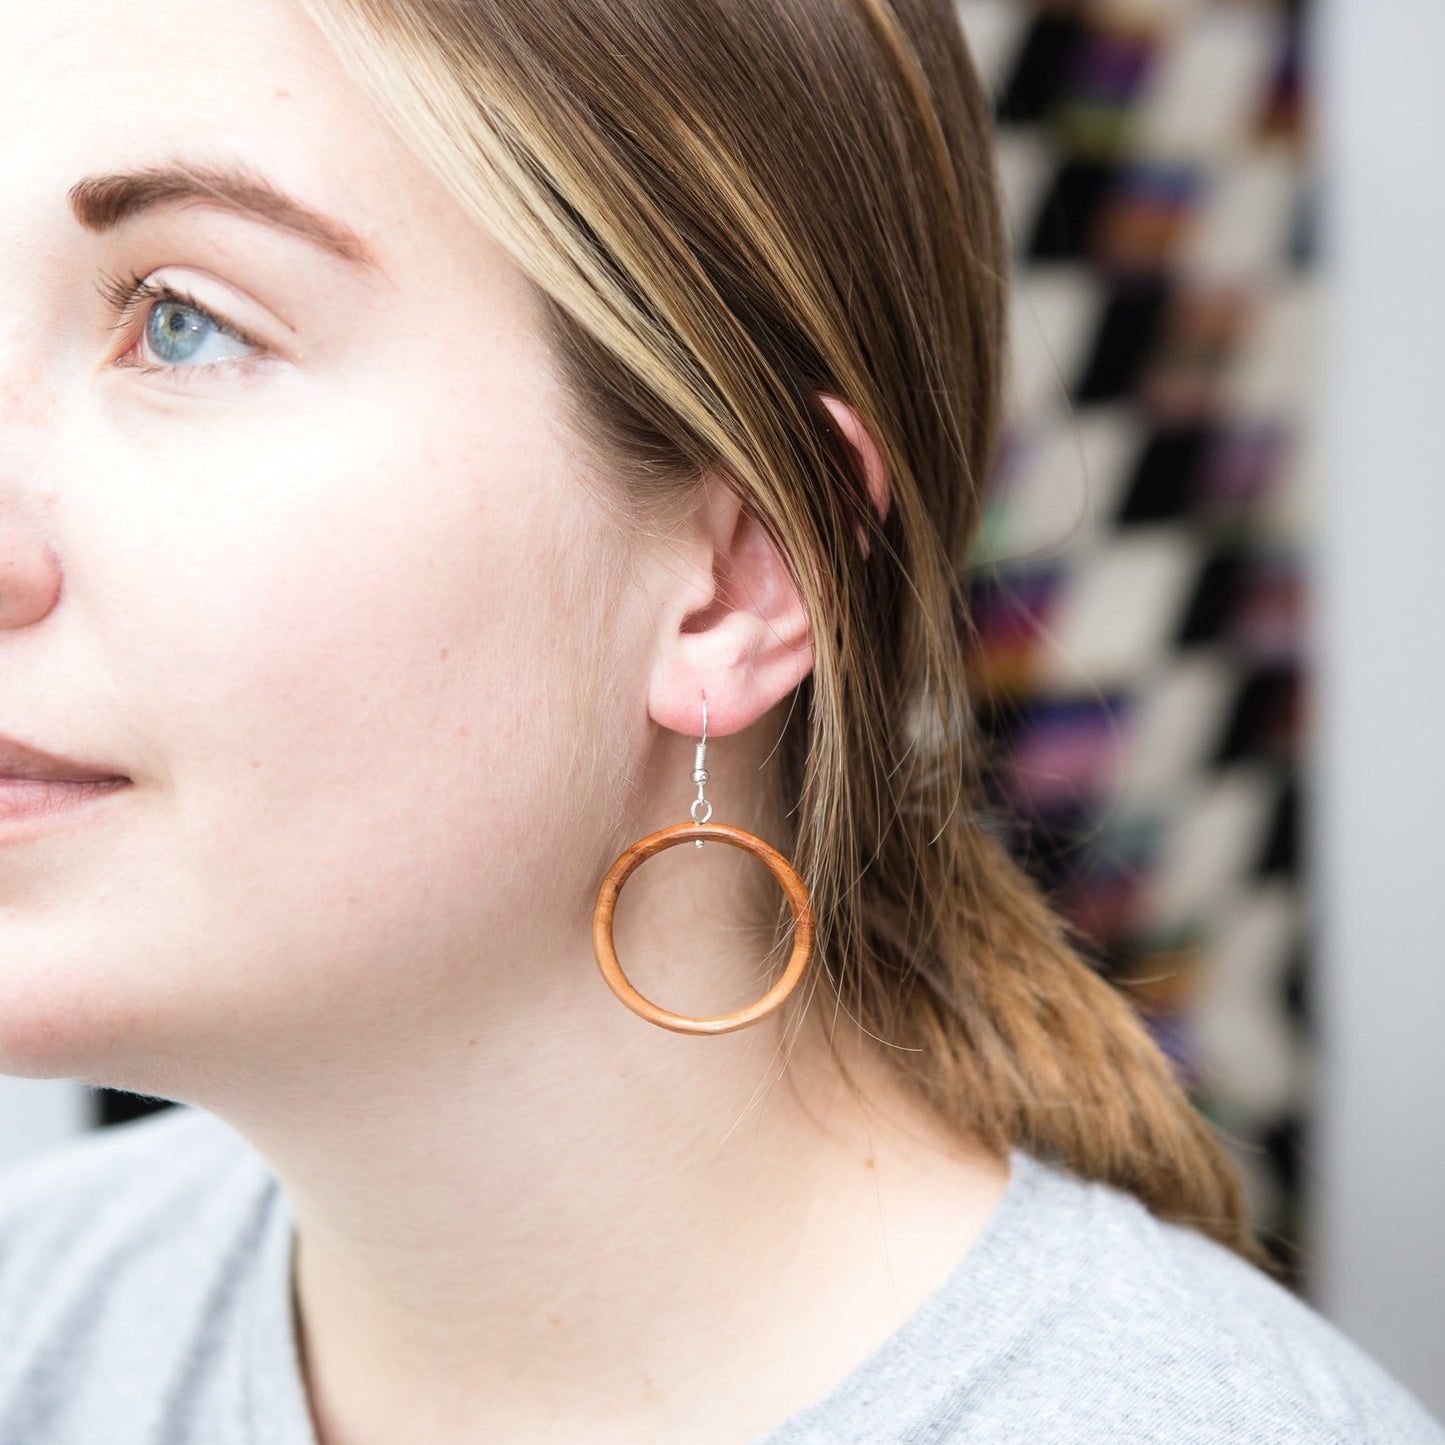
(127, 1261)
(114, 1152)
(104, 1187)
(112, 1200)
(1151, 1330)
(1079, 1318)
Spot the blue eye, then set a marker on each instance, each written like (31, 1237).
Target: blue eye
(180, 333)
(176, 332)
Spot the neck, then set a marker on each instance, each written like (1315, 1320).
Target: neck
(557, 1224)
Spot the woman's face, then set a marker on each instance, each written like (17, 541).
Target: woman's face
(300, 551)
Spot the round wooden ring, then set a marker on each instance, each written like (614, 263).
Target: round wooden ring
(670, 837)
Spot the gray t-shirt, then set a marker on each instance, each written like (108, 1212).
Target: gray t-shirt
(145, 1299)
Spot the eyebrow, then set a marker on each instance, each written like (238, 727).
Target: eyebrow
(102, 202)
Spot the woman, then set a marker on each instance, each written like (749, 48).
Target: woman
(416, 414)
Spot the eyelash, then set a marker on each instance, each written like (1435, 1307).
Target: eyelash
(127, 294)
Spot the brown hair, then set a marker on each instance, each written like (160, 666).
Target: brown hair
(730, 209)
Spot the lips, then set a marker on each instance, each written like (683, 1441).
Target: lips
(19, 761)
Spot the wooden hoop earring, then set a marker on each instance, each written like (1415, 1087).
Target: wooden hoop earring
(670, 837)
(695, 832)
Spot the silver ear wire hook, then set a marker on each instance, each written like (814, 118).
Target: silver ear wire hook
(699, 774)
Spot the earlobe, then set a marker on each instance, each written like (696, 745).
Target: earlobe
(856, 434)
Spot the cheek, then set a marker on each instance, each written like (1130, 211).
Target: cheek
(375, 679)
(357, 697)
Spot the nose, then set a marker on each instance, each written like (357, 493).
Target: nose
(30, 568)
(29, 574)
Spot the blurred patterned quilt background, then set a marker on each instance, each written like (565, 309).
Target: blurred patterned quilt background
(1140, 586)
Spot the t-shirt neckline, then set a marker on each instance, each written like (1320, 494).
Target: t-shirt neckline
(984, 1301)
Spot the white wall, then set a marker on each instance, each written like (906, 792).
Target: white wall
(1380, 783)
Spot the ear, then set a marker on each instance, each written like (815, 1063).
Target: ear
(733, 624)
(865, 455)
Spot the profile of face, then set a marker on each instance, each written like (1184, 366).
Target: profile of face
(291, 537)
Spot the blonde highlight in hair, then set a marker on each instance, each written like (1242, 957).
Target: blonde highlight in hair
(730, 211)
